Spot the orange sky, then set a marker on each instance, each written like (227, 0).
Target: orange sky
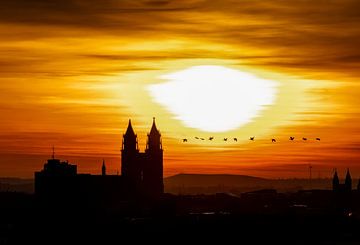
(72, 72)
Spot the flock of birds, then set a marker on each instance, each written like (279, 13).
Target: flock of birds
(252, 138)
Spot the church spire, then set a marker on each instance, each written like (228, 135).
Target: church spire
(154, 138)
(336, 182)
(130, 139)
(154, 130)
(103, 168)
(130, 130)
(348, 181)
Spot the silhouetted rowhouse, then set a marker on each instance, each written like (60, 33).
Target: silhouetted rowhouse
(141, 174)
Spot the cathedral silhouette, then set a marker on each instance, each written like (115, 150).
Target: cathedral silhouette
(141, 173)
(143, 170)
(346, 187)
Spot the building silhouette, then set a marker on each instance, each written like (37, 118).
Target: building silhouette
(143, 170)
(346, 187)
(141, 174)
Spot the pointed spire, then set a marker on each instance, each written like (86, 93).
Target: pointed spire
(154, 138)
(103, 168)
(348, 181)
(129, 139)
(53, 152)
(348, 177)
(336, 177)
(335, 181)
(154, 130)
(348, 174)
(130, 130)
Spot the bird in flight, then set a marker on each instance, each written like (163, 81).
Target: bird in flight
(273, 140)
(197, 138)
(318, 139)
(211, 138)
(291, 138)
(225, 139)
(202, 138)
(252, 138)
(304, 138)
(235, 139)
(184, 140)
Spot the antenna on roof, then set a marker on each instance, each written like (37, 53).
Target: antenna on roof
(53, 152)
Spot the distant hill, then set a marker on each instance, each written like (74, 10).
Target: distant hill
(213, 183)
(213, 180)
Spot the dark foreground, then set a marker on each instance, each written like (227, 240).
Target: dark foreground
(269, 219)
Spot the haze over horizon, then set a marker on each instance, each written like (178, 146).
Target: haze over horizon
(73, 73)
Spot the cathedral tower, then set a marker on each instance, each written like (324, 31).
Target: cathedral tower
(348, 181)
(153, 167)
(130, 165)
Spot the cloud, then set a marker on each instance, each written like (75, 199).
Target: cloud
(104, 13)
(316, 35)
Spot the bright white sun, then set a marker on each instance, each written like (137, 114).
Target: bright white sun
(214, 98)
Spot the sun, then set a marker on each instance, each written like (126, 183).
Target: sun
(214, 98)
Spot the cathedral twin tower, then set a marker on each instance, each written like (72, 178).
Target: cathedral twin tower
(143, 170)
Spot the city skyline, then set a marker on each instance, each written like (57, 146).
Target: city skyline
(73, 73)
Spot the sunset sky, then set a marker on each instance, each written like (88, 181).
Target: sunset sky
(72, 73)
